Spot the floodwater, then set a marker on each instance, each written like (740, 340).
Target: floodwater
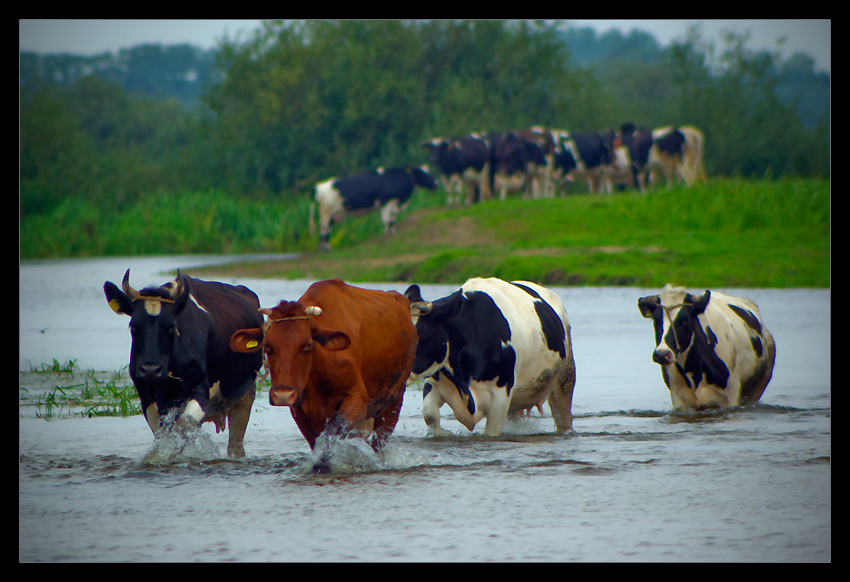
(635, 482)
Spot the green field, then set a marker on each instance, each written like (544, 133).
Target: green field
(723, 233)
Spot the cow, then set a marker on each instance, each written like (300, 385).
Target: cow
(518, 165)
(638, 142)
(387, 189)
(692, 152)
(180, 360)
(466, 158)
(713, 349)
(339, 357)
(493, 349)
(546, 140)
(666, 154)
(585, 156)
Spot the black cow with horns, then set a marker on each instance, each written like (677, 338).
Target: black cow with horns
(180, 359)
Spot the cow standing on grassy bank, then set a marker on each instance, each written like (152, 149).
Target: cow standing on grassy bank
(386, 189)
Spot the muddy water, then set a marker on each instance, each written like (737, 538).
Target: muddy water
(635, 482)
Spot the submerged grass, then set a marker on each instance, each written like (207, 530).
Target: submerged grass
(62, 389)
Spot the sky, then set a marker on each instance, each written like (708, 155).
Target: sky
(91, 37)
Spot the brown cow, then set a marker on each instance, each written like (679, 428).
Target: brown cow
(339, 357)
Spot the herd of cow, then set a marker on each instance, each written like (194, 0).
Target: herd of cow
(537, 162)
(340, 357)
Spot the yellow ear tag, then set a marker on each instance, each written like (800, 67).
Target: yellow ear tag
(251, 344)
(115, 305)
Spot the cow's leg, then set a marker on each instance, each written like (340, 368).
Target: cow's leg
(324, 229)
(561, 398)
(238, 417)
(431, 403)
(389, 212)
(497, 411)
(385, 422)
(485, 192)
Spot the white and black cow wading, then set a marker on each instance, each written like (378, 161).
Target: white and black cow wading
(180, 359)
(713, 349)
(387, 189)
(492, 349)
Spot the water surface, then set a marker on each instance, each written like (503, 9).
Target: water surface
(634, 482)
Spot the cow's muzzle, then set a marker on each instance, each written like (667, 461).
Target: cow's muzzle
(283, 396)
(153, 371)
(663, 357)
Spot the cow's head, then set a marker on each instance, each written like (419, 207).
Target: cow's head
(674, 314)
(153, 327)
(436, 148)
(153, 324)
(422, 178)
(565, 156)
(290, 338)
(430, 318)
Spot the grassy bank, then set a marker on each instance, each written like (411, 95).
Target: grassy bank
(727, 233)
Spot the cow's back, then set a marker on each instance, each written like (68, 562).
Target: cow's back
(540, 336)
(744, 342)
(230, 308)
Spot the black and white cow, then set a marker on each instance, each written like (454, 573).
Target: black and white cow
(638, 144)
(386, 189)
(713, 349)
(693, 169)
(180, 359)
(466, 160)
(587, 157)
(666, 154)
(518, 164)
(491, 349)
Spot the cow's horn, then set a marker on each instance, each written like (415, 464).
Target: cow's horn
(265, 311)
(420, 307)
(181, 285)
(131, 293)
(313, 310)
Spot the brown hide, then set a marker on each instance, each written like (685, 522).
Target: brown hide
(344, 369)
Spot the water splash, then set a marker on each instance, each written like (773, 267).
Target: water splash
(343, 455)
(174, 445)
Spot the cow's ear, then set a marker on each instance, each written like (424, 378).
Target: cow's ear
(413, 293)
(182, 290)
(331, 340)
(418, 306)
(647, 305)
(117, 299)
(246, 340)
(700, 303)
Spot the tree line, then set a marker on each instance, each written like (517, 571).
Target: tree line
(300, 101)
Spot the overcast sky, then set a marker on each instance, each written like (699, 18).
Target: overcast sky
(90, 37)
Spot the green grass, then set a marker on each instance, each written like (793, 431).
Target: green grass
(62, 389)
(726, 232)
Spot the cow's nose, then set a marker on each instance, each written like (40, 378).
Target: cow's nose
(283, 396)
(662, 356)
(150, 371)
